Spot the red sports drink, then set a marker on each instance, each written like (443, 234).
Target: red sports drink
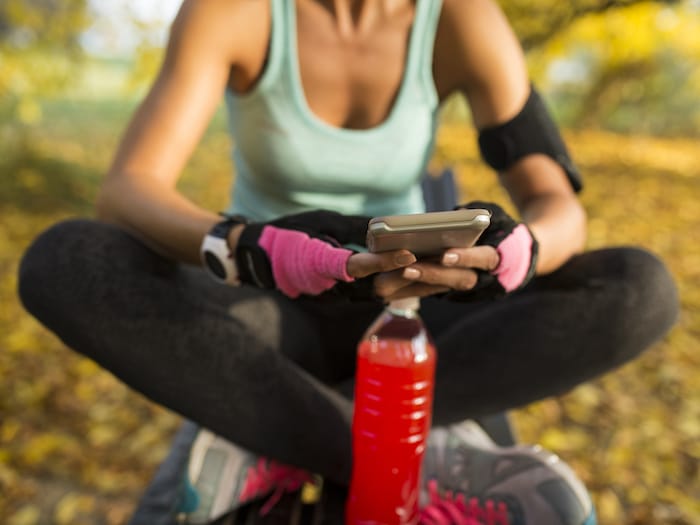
(393, 408)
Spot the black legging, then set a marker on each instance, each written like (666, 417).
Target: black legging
(274, 375)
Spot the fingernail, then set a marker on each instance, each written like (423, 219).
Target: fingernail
(450, 258)
(405, 259)
(411, 273)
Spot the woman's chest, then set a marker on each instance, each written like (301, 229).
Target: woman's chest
(351, 84)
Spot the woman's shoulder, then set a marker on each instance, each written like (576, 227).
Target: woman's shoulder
(472, 25)
(471, 10)
(478, 53)
(236, 28)
(218, 13)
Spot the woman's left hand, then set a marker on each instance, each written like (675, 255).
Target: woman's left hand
(502, 262)
(456, 270)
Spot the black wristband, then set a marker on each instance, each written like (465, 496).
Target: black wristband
(216, 252)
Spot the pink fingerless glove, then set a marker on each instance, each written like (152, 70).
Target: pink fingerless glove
(515, 252)
(301, 264)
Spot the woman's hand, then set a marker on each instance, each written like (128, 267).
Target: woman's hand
(304, 254)
(456, 270)
(503, 261)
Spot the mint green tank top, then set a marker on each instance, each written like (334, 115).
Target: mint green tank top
(288, 160)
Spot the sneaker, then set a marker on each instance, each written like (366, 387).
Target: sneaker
(469, 477)
(222, 477)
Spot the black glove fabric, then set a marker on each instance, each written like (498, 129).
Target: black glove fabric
(517, 248)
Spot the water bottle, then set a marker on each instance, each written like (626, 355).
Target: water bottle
(392, 415)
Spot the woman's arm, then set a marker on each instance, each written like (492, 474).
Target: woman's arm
(213, 43)
(543, 195)
(139, 193)
(479, 55)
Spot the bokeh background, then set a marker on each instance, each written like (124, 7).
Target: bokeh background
(623, 79)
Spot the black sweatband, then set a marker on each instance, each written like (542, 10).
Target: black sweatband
(530, 131)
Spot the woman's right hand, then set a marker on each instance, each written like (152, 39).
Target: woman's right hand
(304, 254)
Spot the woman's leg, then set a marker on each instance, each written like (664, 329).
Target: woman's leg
(600, 310)
(242, 362)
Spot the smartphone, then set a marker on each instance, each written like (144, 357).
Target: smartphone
(427, 234)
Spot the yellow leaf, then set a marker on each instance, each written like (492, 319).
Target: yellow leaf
(28, 111)
(72, 509)
(27, 515)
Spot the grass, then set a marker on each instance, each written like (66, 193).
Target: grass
(76, 446)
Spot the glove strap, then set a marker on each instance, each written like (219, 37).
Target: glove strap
(253, 263)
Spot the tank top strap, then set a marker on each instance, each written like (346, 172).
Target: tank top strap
(276, 51)
(287, 18)
(425, 28)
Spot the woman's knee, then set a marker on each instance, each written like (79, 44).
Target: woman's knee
(68, 257)
(41, 267)
(642, 296)
(650, 289)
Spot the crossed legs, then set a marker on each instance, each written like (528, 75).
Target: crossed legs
(274, 375)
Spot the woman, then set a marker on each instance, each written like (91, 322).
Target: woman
(332, 106)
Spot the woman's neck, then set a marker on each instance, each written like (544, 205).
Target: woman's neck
(357, 17)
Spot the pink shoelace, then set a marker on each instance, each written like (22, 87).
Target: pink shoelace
(269, 476)
(455, 510)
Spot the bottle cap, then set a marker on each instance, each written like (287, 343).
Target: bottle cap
(407, 303)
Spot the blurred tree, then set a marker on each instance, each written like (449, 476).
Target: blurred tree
(39, 47)
(628, 65)
(633, 69)
(536, 23)
(625, 65)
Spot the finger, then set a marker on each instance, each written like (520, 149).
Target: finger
(364, 264)
(417, 290)
(392, 285)
(455, 278)
(482, 257)
(388, 283)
